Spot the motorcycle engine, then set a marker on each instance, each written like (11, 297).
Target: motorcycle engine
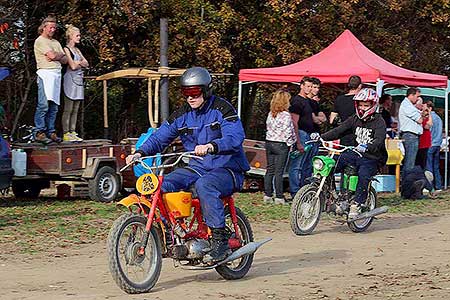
(342, 208)
(197, 248)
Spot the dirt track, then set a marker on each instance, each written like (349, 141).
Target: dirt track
(400, 257)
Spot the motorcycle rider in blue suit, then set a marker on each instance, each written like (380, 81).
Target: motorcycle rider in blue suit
(209, 126)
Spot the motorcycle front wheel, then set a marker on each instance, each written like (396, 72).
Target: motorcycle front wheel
(363, 224)
(238, 268)
(305, 210)
(132, 271)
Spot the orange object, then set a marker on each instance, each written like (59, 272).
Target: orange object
(179, 203)
(16, 44)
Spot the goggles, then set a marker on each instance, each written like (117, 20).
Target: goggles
(191, 91)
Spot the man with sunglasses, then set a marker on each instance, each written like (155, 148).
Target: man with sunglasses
(209, 126)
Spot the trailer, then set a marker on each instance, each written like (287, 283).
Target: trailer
(96, 162)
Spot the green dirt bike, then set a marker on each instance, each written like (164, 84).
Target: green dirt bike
(321, 195)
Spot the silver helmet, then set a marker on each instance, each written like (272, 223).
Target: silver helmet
(197, 76)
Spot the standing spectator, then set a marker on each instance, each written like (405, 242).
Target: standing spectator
(410, 124)
(344, 108)
(386, 104)
(433, 152)
(425, 137)
(318, 116)
(49, 57)
(73, 84)
(280, 137)
(301, 113)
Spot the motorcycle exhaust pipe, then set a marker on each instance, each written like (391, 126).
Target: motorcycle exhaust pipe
(369, 214)
(246, 250)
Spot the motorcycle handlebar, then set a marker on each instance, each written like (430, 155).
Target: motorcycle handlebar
(190, 154)
(343, 148)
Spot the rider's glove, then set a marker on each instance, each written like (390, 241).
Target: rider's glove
(315, 136)
(133, 157)
(361, 148)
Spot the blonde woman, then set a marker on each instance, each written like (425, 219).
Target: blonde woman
(73, 84)
(280, 136)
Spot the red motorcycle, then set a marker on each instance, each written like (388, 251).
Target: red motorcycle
(170, 225)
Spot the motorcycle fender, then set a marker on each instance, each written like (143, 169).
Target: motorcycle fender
(134, 200)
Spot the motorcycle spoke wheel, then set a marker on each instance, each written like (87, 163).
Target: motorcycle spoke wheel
(132, 271)
(305, 210)
(239, 267)
(363, 224)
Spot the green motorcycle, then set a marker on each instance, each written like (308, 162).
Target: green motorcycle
(320, 195)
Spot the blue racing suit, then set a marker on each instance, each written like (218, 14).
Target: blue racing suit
(217, 175)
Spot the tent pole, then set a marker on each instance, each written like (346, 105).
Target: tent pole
(447, 90)
(240, 99)
(379, 87)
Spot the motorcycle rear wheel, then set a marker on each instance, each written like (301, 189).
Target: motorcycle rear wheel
(363, 224)
(132, 272)
(238, 268)
(305, 210)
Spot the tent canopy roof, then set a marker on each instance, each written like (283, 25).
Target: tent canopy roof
(345, 57)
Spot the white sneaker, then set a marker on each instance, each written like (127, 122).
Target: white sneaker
(355, 210)
(267, 199)
(75, 137)
(438, 191)
(279, 201)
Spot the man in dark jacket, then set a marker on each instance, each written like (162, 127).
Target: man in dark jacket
(209, 126)
(414, 181)
(370, 135)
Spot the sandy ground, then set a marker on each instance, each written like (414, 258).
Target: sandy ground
(399, 257)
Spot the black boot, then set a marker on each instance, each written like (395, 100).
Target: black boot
(219, 246)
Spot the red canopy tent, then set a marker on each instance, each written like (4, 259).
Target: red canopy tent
(344, 57)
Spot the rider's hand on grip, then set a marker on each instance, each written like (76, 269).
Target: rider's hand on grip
(132, 157)
(361, 148)
(315, 136)
(202, 150)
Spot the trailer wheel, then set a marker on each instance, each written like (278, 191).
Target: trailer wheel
(105, 186)
(26, 189)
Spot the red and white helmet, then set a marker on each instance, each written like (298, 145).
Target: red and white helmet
(369, 95)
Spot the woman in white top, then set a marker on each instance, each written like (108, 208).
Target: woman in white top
(73, 84)
(280, 136)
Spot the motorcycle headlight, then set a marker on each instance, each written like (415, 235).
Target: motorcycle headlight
(318, 164)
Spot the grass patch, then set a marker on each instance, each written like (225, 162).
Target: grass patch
(47, 224)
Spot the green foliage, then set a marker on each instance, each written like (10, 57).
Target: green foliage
(226, 36)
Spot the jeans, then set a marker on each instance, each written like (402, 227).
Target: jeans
(306, 168)
(46, 111)
(411, 144)
(295, 165)
(210, 187)
(276, 154)
(433, 165)
(366, 169)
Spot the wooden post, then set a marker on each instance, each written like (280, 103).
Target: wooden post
(150, 104)
(105, 110)
(156, 101)
(397, 178)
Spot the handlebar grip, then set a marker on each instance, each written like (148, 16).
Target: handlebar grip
(311, 142)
